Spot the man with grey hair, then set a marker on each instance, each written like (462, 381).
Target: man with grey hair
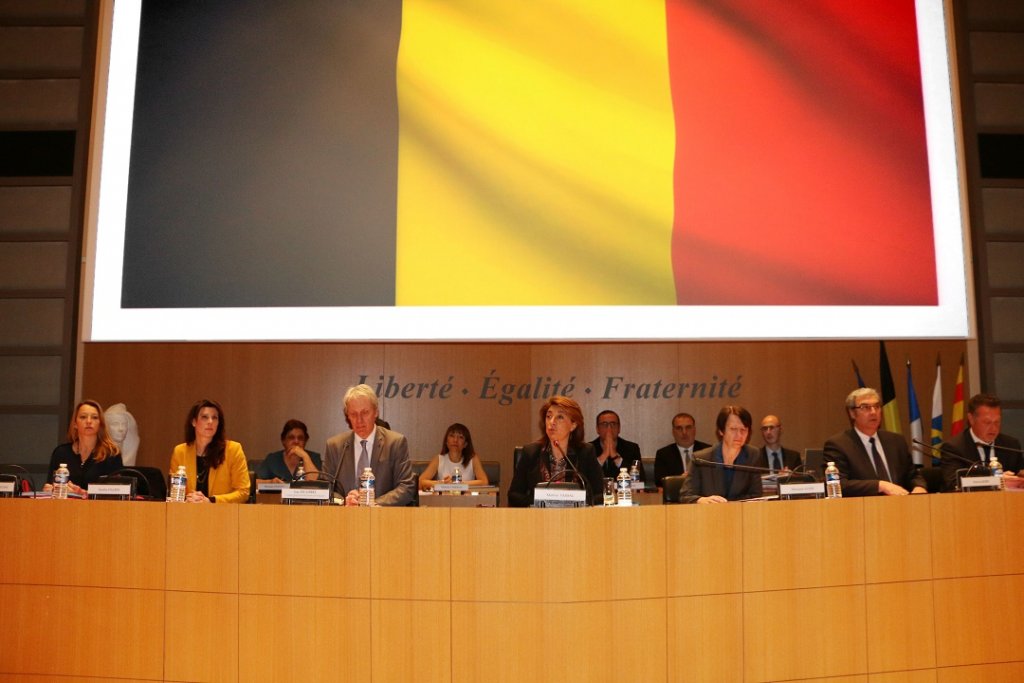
(369, 445)
(871, 461)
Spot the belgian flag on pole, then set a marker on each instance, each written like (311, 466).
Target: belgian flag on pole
(890, 409)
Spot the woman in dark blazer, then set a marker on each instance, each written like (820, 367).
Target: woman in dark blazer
(720, 484)
(557, 455)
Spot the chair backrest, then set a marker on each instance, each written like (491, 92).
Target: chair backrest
(648, 465)
(149, 481)
(671, 488)
(517, 454)
(814, 461)
(493, 470)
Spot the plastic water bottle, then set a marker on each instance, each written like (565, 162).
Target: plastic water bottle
(179, 480)
(832, 487)
(634, 473)
(60, 482)
(609, 492)
(300, 472)
(622, 489)
(996, 468)
(457, 476)
(366, 484)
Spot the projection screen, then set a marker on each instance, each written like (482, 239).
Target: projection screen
(500, 170)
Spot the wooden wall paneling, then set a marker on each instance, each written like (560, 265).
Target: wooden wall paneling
(803, 544)
(303, 550)
(83, 543)
(897, 538)
(979, 620)
(202, 548)
(1009, 672)
(412, 641)
(967, 543)
(834, 616)
(289, 638)
(703, 548)
(412, 554)
(260, 386)
(703, 635)
(65, 630)
(525, 633)
(478, 374)
(901, 626)
(201, 636)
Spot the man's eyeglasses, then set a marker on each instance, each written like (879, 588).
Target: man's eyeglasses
(869, 407)
(606, 425)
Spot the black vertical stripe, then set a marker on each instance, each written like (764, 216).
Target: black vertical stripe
(264, 154)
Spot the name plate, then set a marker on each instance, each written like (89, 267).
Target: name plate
(967, 483)
(441, 488)
(103, 490)
(804, 488)
(270, 486)
(306, 494)
(544, 497)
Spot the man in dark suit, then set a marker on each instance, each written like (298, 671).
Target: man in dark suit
(675, 458)
(981, 441)
(871, 461)
(613, 451)
(369, 445)
(773, 456)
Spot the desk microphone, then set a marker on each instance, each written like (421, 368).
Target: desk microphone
(576, 472)
(953, 454)
(1006, 448)
(733, 466)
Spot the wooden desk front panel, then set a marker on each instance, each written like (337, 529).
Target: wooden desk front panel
(282, 638)
(83, 543)
(82, 631)
(974, 534)
(304, 550)
(586, 641)
(531, 555)
(435, 584)
(803, 544)
(202, 548)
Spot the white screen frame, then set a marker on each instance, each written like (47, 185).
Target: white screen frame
(105, 320)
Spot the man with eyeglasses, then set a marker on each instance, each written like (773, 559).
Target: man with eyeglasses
(871, 461)
(981, 442)
(612, 451)
(773, 456)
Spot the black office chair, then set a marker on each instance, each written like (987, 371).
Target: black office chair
(671, 488)
(493, 470)
(141, 486)
(934, 480)
(517, 454)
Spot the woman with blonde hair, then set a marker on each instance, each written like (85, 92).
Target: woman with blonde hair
(90, 453)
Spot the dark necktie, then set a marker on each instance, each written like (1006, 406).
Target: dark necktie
(364, 458)
(876, 460)
(988, 452)
(776, 461)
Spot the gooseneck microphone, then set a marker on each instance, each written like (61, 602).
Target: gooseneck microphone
(953, 454)
(733, 466)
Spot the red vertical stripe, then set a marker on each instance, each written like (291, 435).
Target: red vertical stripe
(801, 170)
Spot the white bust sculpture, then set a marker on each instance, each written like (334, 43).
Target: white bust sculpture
(124, 430)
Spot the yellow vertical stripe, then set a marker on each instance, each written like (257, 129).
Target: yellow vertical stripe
(536, 153)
